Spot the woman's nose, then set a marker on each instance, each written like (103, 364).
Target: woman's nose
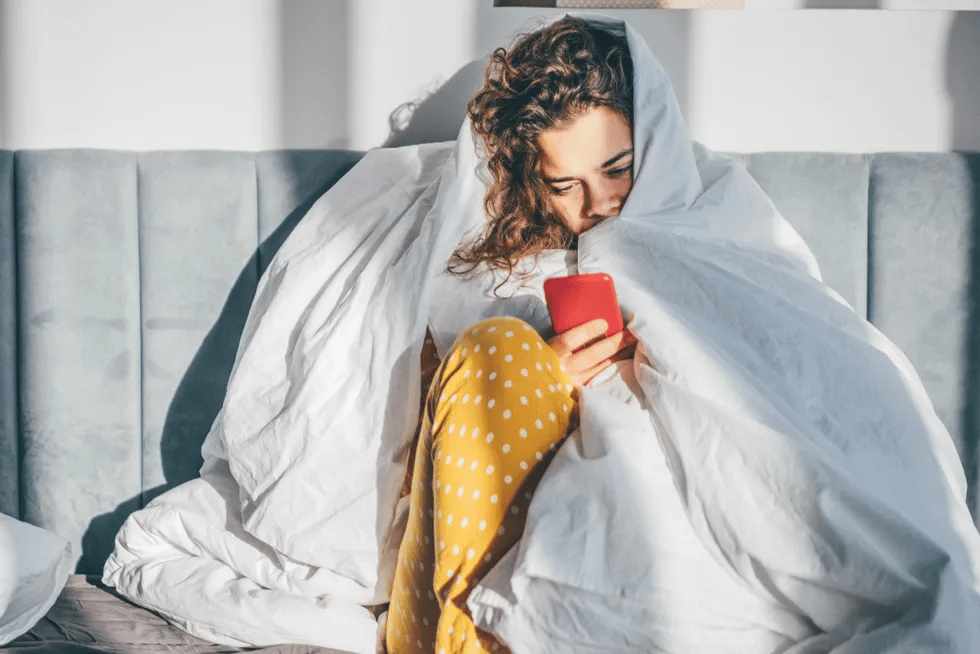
(602, 203)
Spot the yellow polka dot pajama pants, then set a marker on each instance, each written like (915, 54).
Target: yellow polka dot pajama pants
(496, 410)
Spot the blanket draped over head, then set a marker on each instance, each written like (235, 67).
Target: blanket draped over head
(797, 441)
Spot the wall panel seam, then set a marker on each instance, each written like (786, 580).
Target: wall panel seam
(971, 343)
(18, 421)
(866, 235)
(869, 242)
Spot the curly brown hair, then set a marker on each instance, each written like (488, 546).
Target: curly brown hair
(545, 80)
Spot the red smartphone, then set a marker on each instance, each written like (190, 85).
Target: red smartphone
(577, 299)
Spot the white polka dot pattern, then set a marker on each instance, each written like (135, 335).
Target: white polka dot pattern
(478, 458)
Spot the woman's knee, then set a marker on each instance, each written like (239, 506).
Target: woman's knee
(501, 386)
(499, 355)
(497, 335)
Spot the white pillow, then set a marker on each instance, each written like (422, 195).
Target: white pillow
(34, 566)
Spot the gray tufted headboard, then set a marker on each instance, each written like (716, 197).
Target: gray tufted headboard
(125, 279)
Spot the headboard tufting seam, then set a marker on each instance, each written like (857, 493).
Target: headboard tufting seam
(139, 322)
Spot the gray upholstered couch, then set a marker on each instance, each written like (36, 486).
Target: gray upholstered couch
(125, 279)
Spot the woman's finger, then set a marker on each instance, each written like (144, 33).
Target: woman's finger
(602, 350)
(586, 376)
(626, 352)
(576, 337)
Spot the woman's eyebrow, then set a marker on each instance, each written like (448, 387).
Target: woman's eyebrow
(619, 156)
(606, 164)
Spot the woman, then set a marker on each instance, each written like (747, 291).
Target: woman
(555, 116)
(761, 472)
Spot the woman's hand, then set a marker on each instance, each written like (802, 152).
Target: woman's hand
(585, 351)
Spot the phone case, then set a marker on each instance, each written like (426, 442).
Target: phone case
(577, 299)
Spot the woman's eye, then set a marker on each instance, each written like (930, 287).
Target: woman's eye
(619, 172)
(562, 190)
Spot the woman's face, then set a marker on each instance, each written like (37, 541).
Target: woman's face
(587, 165)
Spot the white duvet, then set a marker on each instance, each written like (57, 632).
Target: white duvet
(766, 475)
(34, 566)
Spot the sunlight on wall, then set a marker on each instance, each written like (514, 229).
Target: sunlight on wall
(122, 74)
(820, 80)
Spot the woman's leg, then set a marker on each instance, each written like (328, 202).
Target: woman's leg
(496, 410)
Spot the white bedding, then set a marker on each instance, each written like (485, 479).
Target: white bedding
(768, 422)
(34, 566)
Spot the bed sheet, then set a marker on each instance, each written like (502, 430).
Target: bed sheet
(90, 618)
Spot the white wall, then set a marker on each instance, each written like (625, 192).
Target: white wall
(258, 74)
(142, 75)
(813, 80)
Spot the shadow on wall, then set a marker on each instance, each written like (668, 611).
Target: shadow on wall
(439, 116)
(962, 81)
(314, 73)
